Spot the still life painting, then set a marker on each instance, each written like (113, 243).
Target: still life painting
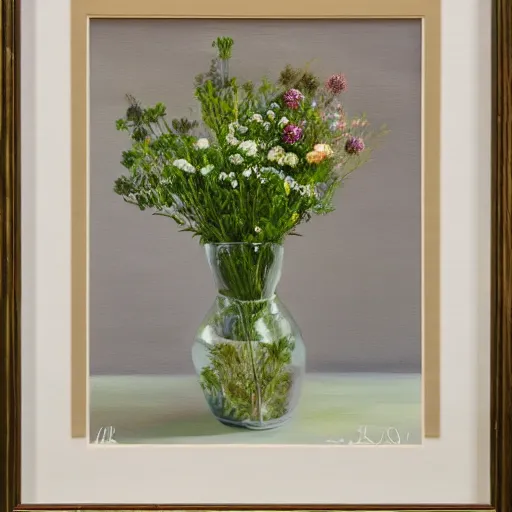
(255, 232)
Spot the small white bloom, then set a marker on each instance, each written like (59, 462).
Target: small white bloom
(291, 159)
(202, 144)
(207, 169)
(257, 117)
(275, 153)
(274, 105)
(263, 181)
(231, 175)
(271, 115)
(247, 173)
(249, 147)
(257, 229)
(236, 159)
(184, 165)
(232, 140)
(232, 127)
(283, 121)
(242, 129)
(223, 176)
(266, 125)
(234, 183)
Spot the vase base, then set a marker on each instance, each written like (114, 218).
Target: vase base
(252, 425)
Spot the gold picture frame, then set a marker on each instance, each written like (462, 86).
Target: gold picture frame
(10, 238)
(427, 10)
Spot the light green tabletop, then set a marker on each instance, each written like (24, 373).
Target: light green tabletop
(333, 409)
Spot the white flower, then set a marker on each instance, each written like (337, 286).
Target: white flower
(291, 159)
(247, 173)
(242, 129)
(202, 143)
(271, 114)
(231, 175)
(257, 117)
(275, 153)
(283, 121)
(263, 180)
(257, 229)
(234, 183)
(249, 147)
(184, 165)
(232, 140)
(207, 169)
(266, 125)
(236, 159)
(223, 176)
(232, 127)
(274, 105)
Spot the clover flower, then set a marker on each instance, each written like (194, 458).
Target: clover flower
(257, 229)
(257, 117)
(283, 121)
(274, 106)
(249, 147)
(336, 84)
(202, 144)
(354, 145)
(232, 140)
(183, 165)
(292, 133)
(207, 169)
(247, 173)
(236, 159)
(234, 183)
(292, 98)
(223, 176)
(271, 114)
(276, 153)
(290, 159)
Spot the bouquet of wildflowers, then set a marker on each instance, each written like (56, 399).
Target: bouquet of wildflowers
(265, 158)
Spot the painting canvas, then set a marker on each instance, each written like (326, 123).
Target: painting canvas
(260, 337)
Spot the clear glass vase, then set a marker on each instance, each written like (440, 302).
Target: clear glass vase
(248, 352)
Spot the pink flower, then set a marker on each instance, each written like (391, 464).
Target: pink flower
(292, 133)
(336, 84)
(292, 98)
(354, 145)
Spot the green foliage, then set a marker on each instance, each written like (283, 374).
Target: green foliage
(224, 185)
(224, 46)
(249, 381)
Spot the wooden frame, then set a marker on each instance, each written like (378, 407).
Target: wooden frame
(10, 284)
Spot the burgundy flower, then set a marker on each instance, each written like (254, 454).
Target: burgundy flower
(336, 84)
(292, 133)
(354, 145)
(292, 98)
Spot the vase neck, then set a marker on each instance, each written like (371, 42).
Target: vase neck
(246, 272)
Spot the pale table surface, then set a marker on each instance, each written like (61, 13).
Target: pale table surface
(333, 409)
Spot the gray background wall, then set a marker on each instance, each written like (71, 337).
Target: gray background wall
(352, 282)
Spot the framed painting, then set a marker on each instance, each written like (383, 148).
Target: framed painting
(256, 256)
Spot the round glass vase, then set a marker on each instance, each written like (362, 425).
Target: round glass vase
(248, 352)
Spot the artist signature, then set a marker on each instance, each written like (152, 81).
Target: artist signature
(389, 435)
